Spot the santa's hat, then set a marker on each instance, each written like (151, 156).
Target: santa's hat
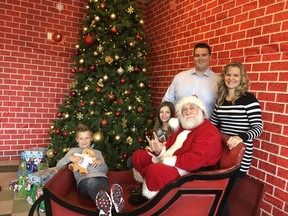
(174, 122)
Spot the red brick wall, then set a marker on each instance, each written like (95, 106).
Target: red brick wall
(35, 72)
(252, 32)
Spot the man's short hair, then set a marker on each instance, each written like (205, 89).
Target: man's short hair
(202, 45)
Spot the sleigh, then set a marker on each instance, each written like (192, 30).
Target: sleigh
(198, 193)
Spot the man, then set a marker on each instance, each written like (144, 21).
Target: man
(200, 80)
(194, 144)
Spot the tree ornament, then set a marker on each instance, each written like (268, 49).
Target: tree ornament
(59, 114)
(113, 29)
(116, 57)
(111, 96)
(95, 53)
(86, 88)
(98, 137)
(132, 44)
(100, 48)
(139, 109)
(140, 139)
(65, 133)
(50, 153)
(130, 10)
(66, 115)
(57, 37)
(141, 85)
(136, 69)
(98, 89)
(57, 131)
(92, 102)
(117, 113)
(81, 61)
(68, 102)
(104, 122)
(102, 5)
(105, 77)
(73, 70)
(52, 127)
(113, 16)
(73, 93)
(88, 40)
(120, 70)
(130, 107)
(117, 138)
(129, 140)
(97, 18)
(108, 59)
(141, 22)
(134, 129)
(138, 37)
(82, 103)
(124, 155)
(92, 67)
(123, 81)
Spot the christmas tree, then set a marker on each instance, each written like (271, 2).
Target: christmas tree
(111, 89)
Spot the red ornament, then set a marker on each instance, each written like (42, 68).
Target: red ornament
(117, 113)
(65, 133)
(119, 101)
(136, 69)
(102, 5)
(82, 103)
(92, 67)
(57, 37)
(138, 37)
(146, 133)
(104, 122)
(140, 139)
(57, 131)
(73, 70)
(123, 80)
(124, 155)
(88, 40)
(68, 102)
(111, 96)
(140, 109)
(113, 29)
(98, 89)
(59, 114)
(73, 93)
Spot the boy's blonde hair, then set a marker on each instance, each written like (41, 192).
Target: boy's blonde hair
(83, 128)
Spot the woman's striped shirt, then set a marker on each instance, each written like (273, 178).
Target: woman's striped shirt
(242, 119)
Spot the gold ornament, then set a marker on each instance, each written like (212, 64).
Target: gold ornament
(130, 107)
(66, 115)
(141, 22)
(141, 85)
(95, 53)
(81, 61)
(117, 137)
(117, 57)
(100, 48)
(98, 137)
(129, 140)
(86, 88)
(130, 10)
(97, 18)
(73, 84)
(108, 59)
(50, 153)
(100, 83)
(124, 122)
(52, 127)
(132, 44)
(120, 70)
(105, 77)
(91, 102)
(113, 16)
(130, 68)
(133, 129)
(144, 70)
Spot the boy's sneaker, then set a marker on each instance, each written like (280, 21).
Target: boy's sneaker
(116, 193)
(103, 203)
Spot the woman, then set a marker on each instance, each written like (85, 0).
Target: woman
(237, 112)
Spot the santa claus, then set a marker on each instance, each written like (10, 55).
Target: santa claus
(194, 144)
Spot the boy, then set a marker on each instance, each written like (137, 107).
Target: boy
(95, 183)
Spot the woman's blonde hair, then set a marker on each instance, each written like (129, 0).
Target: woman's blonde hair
(240, 90)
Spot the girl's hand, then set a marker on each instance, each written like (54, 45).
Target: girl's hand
(233, 141)
(154, 144)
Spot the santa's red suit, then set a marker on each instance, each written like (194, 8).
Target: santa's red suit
(185, 151)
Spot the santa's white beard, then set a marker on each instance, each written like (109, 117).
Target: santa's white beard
(191, 121)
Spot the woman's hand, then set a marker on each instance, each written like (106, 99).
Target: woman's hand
(233, 141)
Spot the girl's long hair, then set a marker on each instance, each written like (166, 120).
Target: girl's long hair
(239, 91)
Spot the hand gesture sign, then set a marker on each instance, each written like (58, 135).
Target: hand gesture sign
(154, 144)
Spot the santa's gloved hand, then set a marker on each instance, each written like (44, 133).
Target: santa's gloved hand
(169, 160)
